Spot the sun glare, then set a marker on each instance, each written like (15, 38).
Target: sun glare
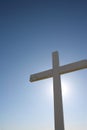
(65, 88)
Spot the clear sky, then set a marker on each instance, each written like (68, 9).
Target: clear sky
(29, 32)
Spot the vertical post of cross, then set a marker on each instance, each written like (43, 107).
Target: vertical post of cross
(58, 106)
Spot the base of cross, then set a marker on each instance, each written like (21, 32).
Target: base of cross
(55, 72)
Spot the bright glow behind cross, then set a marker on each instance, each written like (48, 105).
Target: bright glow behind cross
(55, 73)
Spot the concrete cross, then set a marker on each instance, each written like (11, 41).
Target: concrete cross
(55, 73)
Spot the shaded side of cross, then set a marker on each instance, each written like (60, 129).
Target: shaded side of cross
(55, 73)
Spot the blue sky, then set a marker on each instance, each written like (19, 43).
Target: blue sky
(29, 32)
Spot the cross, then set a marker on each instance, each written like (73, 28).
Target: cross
(55, 72)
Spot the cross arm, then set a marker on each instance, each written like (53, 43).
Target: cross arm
(41, 75)
(61, 70)
(73, 67)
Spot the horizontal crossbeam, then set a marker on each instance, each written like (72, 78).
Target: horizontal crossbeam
(61, 70)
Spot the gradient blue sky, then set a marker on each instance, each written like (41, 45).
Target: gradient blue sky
(29, 32)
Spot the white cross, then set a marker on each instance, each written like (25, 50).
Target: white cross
(55, 73)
